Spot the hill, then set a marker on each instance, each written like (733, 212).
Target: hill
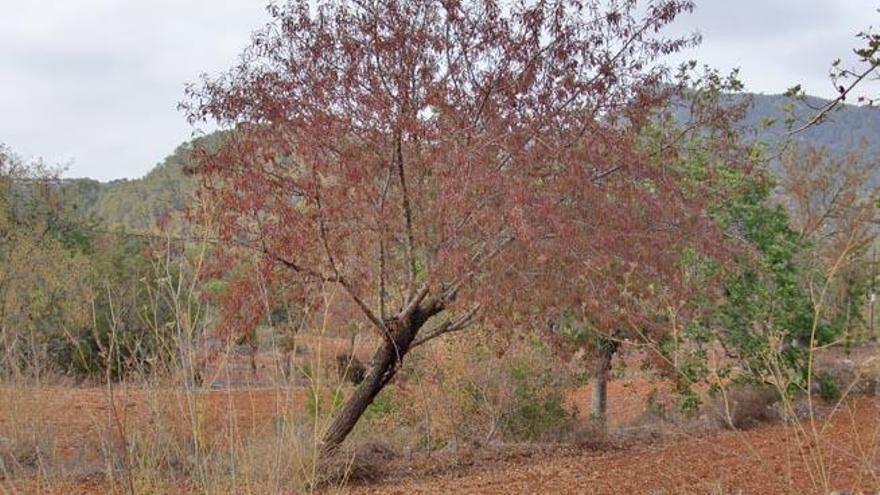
(136, 204)
(843, 130)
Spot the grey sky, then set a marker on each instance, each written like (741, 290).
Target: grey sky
(95, 83)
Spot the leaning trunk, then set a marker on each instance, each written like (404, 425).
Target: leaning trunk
(382, 371)
(601, 370)
(384, 366)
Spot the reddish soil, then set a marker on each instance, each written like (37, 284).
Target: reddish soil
(766, 459)
(659, 458)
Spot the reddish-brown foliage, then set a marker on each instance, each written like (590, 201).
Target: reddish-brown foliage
(438, 159)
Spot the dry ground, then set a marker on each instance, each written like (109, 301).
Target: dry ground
(762, 460)
(765, 459)
(658, 458)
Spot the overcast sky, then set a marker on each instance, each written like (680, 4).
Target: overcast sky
(94, 84)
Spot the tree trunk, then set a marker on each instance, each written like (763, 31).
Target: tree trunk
(383, 370)
(599, 406)
(252, 354)
(384, 366)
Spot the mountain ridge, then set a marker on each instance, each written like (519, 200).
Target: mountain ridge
(136, 204)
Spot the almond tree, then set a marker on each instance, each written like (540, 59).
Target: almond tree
(432, 158)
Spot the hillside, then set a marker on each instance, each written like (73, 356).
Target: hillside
(136, 204)
(843, 130)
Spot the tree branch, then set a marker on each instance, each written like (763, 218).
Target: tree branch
(414, 303)
(407, 216)
(818, 116)
(449, 326)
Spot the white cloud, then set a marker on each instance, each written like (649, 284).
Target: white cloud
(778, 43)
(95, 83)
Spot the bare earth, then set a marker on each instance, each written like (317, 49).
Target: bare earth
(768, 458)
(760, 460)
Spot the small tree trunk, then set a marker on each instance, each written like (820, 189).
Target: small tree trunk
(601, 370)
(286, 367)
(198, 378)
(252, 353)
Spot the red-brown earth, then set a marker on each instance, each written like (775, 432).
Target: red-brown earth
(771, 457)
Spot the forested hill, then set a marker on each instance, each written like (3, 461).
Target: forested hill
(136, 204)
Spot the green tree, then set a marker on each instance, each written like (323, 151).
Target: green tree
(767, 312)
(44, 266)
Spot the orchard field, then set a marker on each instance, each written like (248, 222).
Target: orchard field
(443, 246)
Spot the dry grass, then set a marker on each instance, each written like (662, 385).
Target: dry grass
(259, 432)
(144, 435)
(149, 437)
(241, 429)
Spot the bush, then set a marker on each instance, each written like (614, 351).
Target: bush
(836, 377)
(744, 405)
(828, 389)
(869, 376)
(537, 407)
(474, 391)
(350, 368)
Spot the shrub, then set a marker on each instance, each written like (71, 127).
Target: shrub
(350, 368)
(743, 405)
(475, 391)
(537, 407)
(828, 389)
(869, 375)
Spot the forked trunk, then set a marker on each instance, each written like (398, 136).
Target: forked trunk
(602, 368)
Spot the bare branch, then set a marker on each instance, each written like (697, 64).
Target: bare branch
(414, 303)
(841, 97)
(449, 326)
(407, 216)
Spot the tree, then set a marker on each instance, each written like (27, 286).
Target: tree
(647, 285)
(74, 300)
(44, 289)
(834, 207)
(423, 156)
(766, 311)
